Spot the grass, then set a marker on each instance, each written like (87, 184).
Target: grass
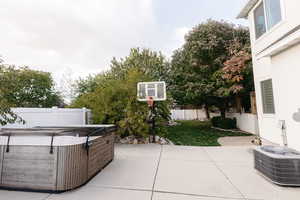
(197, 133)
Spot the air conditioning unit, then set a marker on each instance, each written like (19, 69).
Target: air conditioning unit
(281, 165)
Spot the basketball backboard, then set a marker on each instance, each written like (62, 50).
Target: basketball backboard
(156, 90)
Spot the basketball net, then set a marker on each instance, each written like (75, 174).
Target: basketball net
(150, 101)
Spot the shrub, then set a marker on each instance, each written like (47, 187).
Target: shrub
(205, 124)
(114, 102)
(226, 123)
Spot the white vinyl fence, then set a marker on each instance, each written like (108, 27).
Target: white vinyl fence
(51, 116)
(192, 114)
(246, 121)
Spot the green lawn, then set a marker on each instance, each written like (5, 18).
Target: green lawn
(197, 133)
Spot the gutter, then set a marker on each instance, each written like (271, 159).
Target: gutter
(248, 7)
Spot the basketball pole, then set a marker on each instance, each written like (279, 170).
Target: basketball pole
(153, 114)
(151, 92)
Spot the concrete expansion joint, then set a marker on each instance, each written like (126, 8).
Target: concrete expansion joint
(156, 172)
(210, 158)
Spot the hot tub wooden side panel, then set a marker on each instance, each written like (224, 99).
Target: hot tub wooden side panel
(29, 167)
(71, 167)
(101, 153)
(68, 167)
(76, 164)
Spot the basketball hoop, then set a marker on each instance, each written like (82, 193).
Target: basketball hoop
(151, 92)
(150, 101)
(156, 90)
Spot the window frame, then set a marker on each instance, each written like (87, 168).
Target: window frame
(263, 101)
(267, 16)
(268, 29)
(262, 3)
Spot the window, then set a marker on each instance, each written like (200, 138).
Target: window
(267, 15)
(260, 22)
(267, 96)
(273, 10)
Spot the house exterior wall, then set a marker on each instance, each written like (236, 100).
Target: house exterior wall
(283, 68)
(286, 76)
(290, 19)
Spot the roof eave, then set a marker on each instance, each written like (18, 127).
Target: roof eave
(248, 7)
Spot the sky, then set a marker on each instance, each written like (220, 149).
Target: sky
(79, 37)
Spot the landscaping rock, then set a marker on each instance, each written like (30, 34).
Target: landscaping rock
(140, 140)
(173, 123)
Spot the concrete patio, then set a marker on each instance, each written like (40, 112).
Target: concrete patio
(145, 172)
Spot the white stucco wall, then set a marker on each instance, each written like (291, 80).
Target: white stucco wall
(286, 76)
(51, 116)
(268, 123)
(284, 70)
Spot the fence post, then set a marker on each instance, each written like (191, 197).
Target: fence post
(253, 103)
(84, 115)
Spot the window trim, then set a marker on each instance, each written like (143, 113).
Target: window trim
(262, 97)
(268, 30)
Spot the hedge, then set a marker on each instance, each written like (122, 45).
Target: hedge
(226, 123)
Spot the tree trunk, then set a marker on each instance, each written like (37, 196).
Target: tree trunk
(223, 107)
(223, 112)
(238, 102)
(207, 111)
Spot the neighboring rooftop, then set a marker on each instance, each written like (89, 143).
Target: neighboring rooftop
(247, 8)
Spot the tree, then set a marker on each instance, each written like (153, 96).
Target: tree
(6, 115)
(65, 86)
(112, 95)
(201, 68)
(23, 87)
(148, 62)
(238, 70)
(89, 84)
(115, 102)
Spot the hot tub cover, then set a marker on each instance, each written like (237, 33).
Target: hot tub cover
(54, 135)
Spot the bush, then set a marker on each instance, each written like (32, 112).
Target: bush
(114, 102)
(226, 123)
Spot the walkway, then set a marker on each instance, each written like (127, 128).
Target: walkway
(236, 141)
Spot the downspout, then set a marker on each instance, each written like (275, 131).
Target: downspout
(283, 132)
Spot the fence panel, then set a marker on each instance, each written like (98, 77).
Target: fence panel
(50, 117)
(246, 121)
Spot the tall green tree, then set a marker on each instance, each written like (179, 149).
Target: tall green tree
(200, 69)
(112, 95)
(23, 87)
(6, 115)
(148, 62)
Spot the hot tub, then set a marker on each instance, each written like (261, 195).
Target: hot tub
(281, 165)
(54, 159)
